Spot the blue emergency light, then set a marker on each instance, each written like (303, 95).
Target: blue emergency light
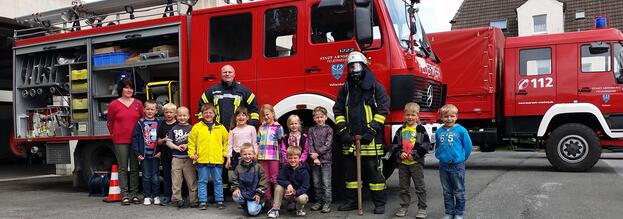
(601, 22)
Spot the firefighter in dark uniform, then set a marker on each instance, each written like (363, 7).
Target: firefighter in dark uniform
(227, 96)
(360, 109)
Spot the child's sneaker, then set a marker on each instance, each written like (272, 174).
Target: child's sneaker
(147, 201)
(421, 213)
(447, 216)
(316, 206)
(273, 213)
(402, 211)
(203, 206)
(300, 212)
(458, 216)
(156, 200)
(220, 205)
(326, 208)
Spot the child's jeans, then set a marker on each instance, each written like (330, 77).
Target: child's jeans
(151, 180)
(253, 208)
(280, 192)
(166, 174)
(214, 171)
(322, 182)
(414, 172)
(271, 170)
(452, 178)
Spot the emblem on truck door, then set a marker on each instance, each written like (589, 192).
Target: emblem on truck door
(606, 98)
(337, 70)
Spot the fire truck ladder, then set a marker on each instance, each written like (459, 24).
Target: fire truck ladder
(95, 14)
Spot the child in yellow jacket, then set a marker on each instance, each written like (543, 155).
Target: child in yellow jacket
(207, 146)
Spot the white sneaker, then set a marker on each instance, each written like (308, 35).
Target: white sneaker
(458, 216)
(447, 216)
(156, 200)
(300, 212)
(273, 213)
(147, 201)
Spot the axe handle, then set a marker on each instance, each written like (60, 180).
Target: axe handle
(359, 183)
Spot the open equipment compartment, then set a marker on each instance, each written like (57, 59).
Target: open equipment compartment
(145, 55)
(42, 88)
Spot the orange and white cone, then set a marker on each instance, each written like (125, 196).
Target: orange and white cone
(114, 191)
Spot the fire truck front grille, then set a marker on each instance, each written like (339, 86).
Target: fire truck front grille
(427, 93)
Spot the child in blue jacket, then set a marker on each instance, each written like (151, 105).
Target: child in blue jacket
(453, 149)
(144, 145)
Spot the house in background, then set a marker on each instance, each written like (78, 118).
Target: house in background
(529, 17)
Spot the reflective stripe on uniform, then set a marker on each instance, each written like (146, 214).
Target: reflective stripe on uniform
(368, 113)
(255, 116)
(351, 185)
(204, 98)
(340, 119)
(250, 99)
(379, 118)
(225, 186)
(377, 186)
(236, 103)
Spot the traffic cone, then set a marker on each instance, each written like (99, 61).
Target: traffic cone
(114, 191)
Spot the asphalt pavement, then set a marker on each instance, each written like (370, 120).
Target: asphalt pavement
(498, 184)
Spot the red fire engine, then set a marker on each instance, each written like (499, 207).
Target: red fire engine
(561, 92)
(291, 53)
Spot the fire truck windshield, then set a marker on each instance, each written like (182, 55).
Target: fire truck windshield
(398, 11)
(618, 66)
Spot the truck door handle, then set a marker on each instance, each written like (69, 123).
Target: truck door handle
(522, 92)
(585, 90)
(211, 77)
(312, 69)
(132, 36)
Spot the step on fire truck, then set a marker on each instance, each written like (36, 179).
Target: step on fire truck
(291, 53)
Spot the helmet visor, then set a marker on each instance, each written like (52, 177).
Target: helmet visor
(355, 67)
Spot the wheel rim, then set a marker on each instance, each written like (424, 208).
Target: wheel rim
(572, 148)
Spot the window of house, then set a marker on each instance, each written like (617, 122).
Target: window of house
(230, 37)
(540, 23)
(535, 62)
(596, 60)
(580, 15)
(501, 23)
(331, 25)
(280, 32)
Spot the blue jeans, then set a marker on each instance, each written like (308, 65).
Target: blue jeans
(253, 208)
(166, 174)
(151, 180)
(452, 178)
(322, 182)
(214, 171)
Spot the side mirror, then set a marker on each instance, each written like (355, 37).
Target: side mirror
(332, 4)
(363, 22)
(599, 48)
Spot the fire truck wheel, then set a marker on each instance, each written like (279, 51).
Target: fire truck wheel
(573, 147)
(96, 156)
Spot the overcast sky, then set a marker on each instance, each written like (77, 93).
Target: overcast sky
(436, 14)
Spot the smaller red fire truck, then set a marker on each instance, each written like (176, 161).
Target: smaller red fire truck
(562, 92)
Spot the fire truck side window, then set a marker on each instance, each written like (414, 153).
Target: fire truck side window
(331, 25)
(280, 32)
(535, 62)
(230, 37)
(596, 59)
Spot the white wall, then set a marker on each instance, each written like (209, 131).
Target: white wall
(552, 8)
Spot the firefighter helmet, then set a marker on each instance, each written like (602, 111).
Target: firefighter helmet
(356, 57)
